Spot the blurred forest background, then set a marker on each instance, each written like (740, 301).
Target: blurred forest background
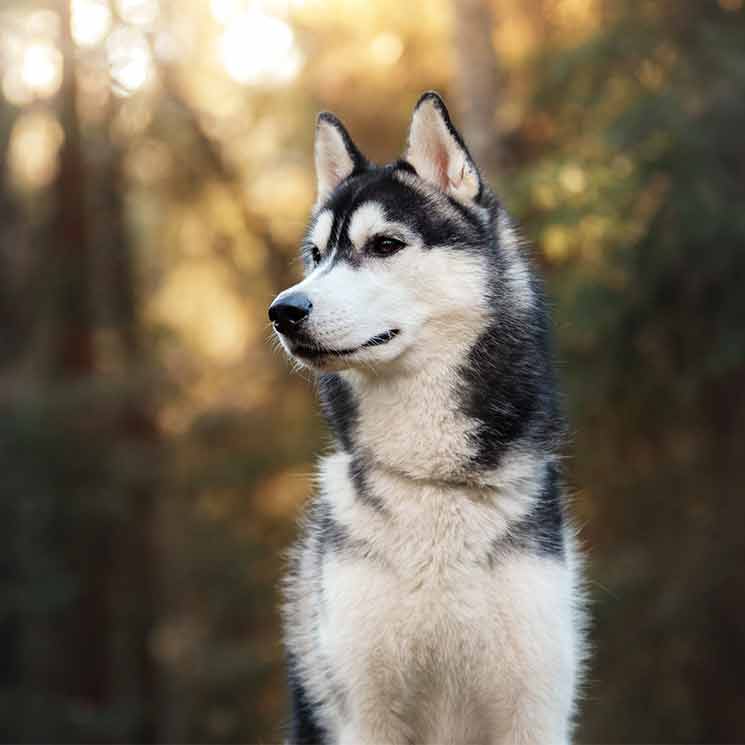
(154, 451)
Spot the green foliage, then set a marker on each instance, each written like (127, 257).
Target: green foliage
(647, 276)
(651, 110)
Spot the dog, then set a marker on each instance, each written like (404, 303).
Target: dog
(435, 594)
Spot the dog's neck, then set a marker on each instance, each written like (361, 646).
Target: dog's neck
(425, 423)
(412, 423)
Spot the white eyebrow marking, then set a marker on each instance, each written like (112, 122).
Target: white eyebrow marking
(321, 231)
(367, 220)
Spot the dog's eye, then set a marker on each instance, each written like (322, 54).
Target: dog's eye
(315, 254)
(384, 245)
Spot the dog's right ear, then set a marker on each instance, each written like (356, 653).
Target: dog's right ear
(337, 157)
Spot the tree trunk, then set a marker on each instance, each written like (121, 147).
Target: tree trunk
(70, 234)
(477, 83)
(137, 561)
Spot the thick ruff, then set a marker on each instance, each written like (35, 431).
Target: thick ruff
(434, 596)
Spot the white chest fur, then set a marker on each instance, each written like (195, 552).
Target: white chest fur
(420, 632)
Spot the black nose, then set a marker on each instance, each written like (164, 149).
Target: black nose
(288, 312)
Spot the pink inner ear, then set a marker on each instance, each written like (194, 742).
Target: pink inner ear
(334, 171)
(461, 176)
(337, 168)
(441, 165)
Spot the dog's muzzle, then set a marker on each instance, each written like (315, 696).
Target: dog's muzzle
(289, 312)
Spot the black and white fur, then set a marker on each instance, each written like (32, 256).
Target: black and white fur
(434, 595)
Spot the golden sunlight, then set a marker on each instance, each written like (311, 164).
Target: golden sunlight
(31, 60)
(130, 60)
(224, 11)
(41, 68)
(91, 21)
(32, 152)
(143, 13)
(572, 178)
(386, 48)
(259, 48)
(199, 301)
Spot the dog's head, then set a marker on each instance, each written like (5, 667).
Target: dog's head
(396, 257)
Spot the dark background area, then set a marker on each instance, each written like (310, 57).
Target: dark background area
(155, 451)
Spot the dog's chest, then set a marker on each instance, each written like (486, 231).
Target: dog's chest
(425, 638)
(414, 606)
(410, 602)
(425, 536)
(446, 646)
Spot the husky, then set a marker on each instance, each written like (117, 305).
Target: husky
(435, 593)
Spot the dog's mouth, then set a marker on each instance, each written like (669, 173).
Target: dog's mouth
(314, 351)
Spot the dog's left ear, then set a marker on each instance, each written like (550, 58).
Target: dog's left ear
(437, 151)
(337, 157)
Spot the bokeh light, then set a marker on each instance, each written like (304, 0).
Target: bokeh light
(91, 21)
(386, 48)
(224, 11)
(42, 68)
(142, 13)
(130, 59)
(32, 152)
(31, 60)
(259, 48)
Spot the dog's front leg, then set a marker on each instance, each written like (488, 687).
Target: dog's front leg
(375, 714)
(378, 729)
(367, 652)
(537, 723)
